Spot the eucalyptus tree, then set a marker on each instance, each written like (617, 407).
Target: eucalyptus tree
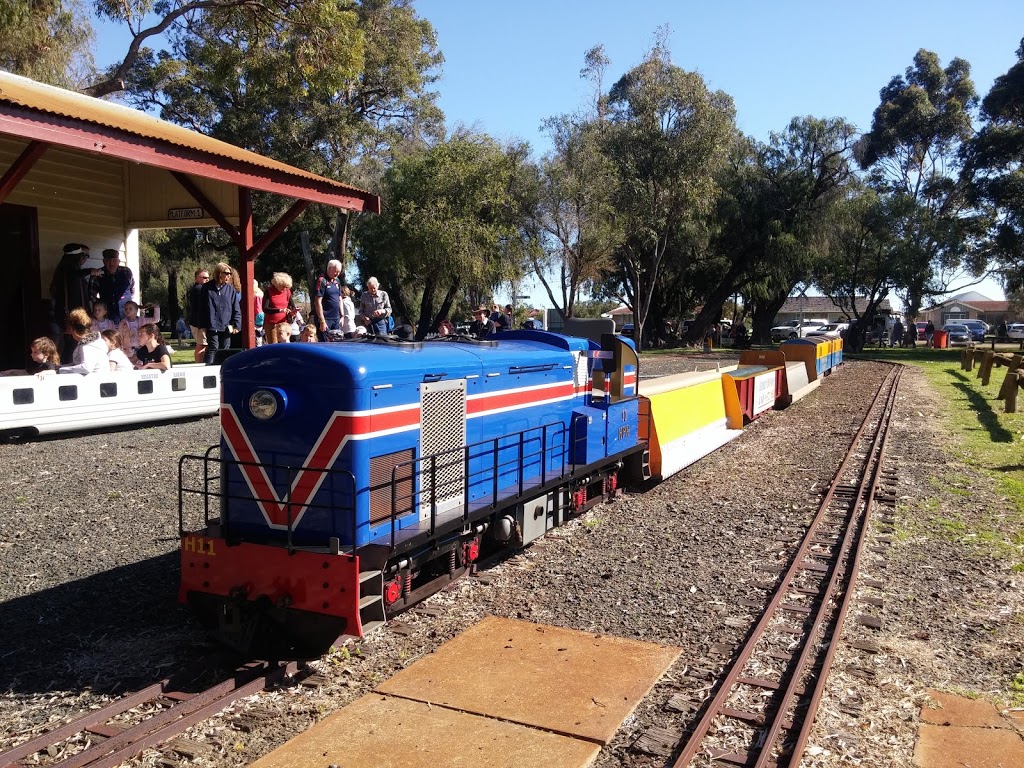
(997, 154)
(772, 214)
(451, 226)
(47, 40)
(913, 153)
(331, 86)
(572, 212)
(867, 257)
(667, 136)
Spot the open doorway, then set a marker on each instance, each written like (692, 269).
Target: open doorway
(20, 292)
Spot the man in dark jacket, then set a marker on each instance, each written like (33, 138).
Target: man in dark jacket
(482, 325)
(195, 312)
(222, 311)
(116, 284)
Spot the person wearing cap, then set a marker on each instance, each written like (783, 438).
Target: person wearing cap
(116, 284)
(482, 325)
(69, 289)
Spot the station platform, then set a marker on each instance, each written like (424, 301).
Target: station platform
(957, 732)
(503, 693)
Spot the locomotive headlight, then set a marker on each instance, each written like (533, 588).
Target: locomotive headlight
(263, 404)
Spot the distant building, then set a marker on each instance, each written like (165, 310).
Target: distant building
(802, 307)
(967, 306)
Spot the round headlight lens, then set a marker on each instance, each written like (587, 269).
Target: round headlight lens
(263, 404)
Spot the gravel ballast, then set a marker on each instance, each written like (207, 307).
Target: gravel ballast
(88, 596)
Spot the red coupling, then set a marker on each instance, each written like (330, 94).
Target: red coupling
(392, 591)
(470, 551)
(613, 482)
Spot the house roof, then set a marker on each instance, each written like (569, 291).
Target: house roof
(980, 306)
(823, 304)
(56, 116)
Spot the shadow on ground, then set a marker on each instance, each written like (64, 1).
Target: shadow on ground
(982, 406)
(112, 632)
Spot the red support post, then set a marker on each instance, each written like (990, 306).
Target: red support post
(245, 266)
(20, 167)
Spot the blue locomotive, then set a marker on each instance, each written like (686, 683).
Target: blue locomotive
(355, 478)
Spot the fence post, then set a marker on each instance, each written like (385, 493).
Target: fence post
(1010, 406)
(985, 369)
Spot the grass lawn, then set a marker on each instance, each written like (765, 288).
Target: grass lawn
(982, 436)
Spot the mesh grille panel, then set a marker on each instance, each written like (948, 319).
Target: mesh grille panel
(443, 430)
(380, 485)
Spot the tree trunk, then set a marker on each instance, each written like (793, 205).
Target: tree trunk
(173, 303)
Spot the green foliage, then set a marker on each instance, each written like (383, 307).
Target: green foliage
(997, 154)
(572, 211)
(667, 138)
(913, 154)
(450, 226)
(47, 40)
(331, 86)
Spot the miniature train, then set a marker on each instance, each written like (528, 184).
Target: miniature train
(353, 479)
(64, 403)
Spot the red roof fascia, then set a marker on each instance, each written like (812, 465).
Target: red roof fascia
(98, 139)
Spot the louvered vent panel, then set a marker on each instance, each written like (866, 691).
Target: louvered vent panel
(580, 374)
(380, 484)
(443, 431)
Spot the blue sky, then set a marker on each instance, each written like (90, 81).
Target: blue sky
(509, 65)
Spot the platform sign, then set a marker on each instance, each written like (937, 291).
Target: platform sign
(764, 392)
(181, 214)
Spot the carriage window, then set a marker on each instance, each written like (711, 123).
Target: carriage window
(209, 382)
(108, 389)
(177, 385)
(68, 393)
(24, 396)
(146, 387)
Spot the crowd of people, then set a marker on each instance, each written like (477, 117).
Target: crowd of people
(103, 329)
(98, 326)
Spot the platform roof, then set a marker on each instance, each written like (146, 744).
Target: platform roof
(54, 116)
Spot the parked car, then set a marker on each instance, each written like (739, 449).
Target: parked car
(627, 330)
(958, 333)
(921, 327)
(830, 331)
(978, 328)
(1015, 331)
(796, 329)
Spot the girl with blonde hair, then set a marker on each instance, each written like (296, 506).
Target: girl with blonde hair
(278, 309)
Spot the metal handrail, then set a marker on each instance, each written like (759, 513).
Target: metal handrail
(221, 466)
(521, 457)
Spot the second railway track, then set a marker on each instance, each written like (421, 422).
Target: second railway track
(764, 707)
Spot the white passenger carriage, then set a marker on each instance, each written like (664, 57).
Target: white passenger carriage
(65, 403)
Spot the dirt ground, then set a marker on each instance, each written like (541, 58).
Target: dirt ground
(88, 607)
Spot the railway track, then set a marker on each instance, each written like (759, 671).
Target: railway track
(118, 732)
(764, 707)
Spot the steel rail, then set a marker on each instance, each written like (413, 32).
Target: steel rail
(714, 708)
(853, 540)
(844, 606)
(185, 711)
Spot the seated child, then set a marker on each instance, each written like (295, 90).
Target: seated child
(43, 359)
(129, 328)
(100, 321)
(118, 359)
(152, 352)
(308, 333)
(90, 355)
